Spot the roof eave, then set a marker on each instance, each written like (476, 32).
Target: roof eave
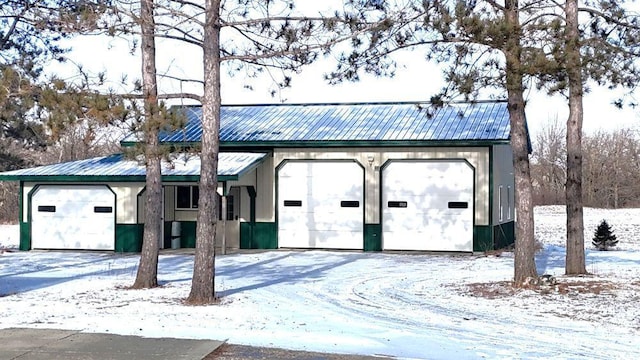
(107, 178)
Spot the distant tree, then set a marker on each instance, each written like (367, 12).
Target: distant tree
(604, 238)
(611, 166)
(30, 34)
(548, 168)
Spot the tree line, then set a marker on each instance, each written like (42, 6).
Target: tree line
(610, 168)
(490, 49)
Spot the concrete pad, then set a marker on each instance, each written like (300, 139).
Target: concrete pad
(72, 345)
(14, 339)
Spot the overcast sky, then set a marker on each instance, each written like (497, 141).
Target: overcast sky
(415, 80)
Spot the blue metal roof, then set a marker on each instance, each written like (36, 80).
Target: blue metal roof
(230, 167)
(373, 122)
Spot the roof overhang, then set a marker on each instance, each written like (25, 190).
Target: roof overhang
(117, 168)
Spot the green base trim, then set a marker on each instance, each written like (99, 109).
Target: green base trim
(372, 237)
(129, 237)
(166, 241)
(482, 238)
(487, 238)
(504, 235)
(25, 236)
(262, 235)
(188, 234)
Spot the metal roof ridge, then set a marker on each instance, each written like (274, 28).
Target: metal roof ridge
(352, 103)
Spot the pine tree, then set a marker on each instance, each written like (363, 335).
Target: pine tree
(603, 237)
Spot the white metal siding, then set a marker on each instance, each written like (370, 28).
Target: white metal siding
(318, 218)
(74, 223)
(421, 203)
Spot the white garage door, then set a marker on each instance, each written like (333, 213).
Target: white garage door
(320, 205)
(73, 217)
(427, 205)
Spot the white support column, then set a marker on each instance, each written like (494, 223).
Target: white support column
(224, 224)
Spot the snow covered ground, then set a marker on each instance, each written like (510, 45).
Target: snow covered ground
(403, 305)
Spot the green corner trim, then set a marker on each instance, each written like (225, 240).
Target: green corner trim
(482, 238)
(372, 237)
(25, 236)
(129, 237)
(263, 235)
(504, 235)
(188, 234)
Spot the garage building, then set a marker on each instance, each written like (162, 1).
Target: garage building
(372, 176)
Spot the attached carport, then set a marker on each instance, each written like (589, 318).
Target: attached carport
(428, 205)
(91, 204)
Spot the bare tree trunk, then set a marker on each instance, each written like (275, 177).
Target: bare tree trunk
(147, 275)
(575, 259)
(524, 261)
(202, 284)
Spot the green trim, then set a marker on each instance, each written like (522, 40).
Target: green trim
(107, 178)
(20, 195)
(335, 143)
(263, 237)
(372, 237)
(252, 218)
(482, 238)
(490, 202)
(504, 235)
(188, 234)
(25, 236)
(27, 232)
(129, 237)
(166, 241)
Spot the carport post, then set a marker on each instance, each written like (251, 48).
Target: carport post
(224, 218)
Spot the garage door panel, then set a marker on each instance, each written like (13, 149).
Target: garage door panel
(331, 211)
(76, 217)
(426, 241)
(427, 200)
(318, 222)
(321, 239)
(347, 205)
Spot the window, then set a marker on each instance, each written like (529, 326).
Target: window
(508, 202)
(187, 197)
(500, 203)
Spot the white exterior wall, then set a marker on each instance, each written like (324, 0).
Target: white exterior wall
(126, 201)
(478, 157)
(266, 191)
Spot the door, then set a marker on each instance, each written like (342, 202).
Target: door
(80, 217)
(428, 205)
(320, 205)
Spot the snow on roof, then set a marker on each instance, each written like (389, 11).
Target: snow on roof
(374, 122)
(230, 167)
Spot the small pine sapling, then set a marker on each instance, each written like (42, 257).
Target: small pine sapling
(604, 238)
